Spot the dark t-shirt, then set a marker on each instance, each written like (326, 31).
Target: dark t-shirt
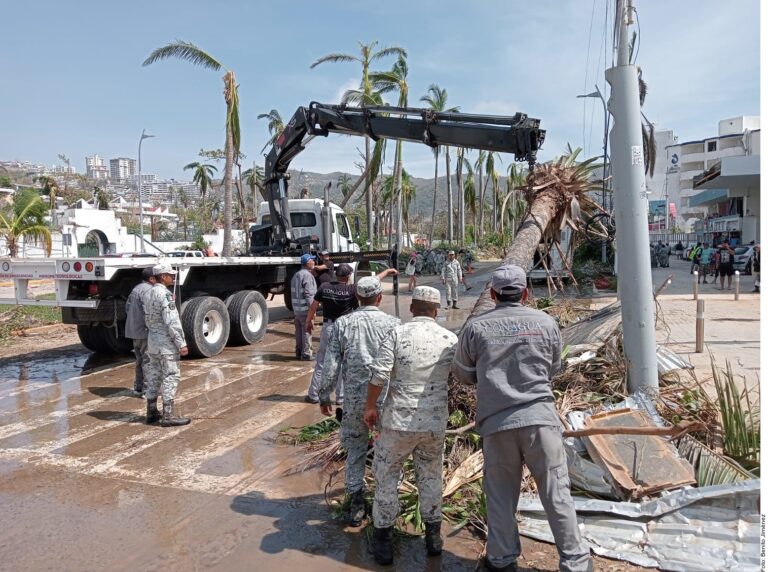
(337, 299)
(326, 276)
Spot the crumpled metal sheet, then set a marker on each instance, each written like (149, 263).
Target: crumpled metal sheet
(690, 530)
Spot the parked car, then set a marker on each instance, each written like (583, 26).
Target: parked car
(185, 254)
(743, 258)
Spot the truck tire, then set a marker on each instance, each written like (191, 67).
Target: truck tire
(206, 326)
(94, 338)
(119, 344)
(287, 297)
(248, 317)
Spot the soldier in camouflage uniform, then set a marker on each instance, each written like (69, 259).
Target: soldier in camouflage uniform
(165, 344)
(136, 328)
(452, 275)
(356, 339)
(413, 362)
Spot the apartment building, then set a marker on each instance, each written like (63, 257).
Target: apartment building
(95, 168)
(122, 169)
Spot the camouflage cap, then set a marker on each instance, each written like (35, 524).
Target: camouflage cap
(159, 269)
(368, 286)
(426, 294)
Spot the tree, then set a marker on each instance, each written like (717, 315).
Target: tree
(202, 176)
(365, 96)
(437, 99)
(275, 126)
(65, 160)
(470, 197)
(408, 191)
(491, 175)
(50, 188)
(25, 218)
(189, 52)
(344, 184)
(101, 198)
(460, 161)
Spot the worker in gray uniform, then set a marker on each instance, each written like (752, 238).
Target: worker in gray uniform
(511, 353)
(165, 346)
(303, 289)
(136, 329)
(452, 275)
(413, 364)
(351, 350)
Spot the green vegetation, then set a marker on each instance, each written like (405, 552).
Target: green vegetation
(25, 217)
(15, 318)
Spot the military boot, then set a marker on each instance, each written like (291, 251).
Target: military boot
(433, 539)
(153, 415)
(168, 419)
(455, 307)
(382, 546)
(356, 509)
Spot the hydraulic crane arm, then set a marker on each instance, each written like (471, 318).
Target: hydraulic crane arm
(519, 135)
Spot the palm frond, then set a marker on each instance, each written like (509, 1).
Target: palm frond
(186, 51)
(393, 51)
(38, 233)
(334, 58)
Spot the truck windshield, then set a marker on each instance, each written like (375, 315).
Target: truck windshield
(342, 225)
(298, 220)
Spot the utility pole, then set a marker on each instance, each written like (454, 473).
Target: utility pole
(634, 263)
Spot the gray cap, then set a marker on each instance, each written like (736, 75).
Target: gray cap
(452, 252)
(148, 273)
(324, 252)
(509, 279)
(368, 286)
(159, 269)
(343, 270)
(426, 294)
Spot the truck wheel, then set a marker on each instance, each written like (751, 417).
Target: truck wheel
(248, 317)
(94, 338)
(206, 326)
(287, 298)
(118, 344)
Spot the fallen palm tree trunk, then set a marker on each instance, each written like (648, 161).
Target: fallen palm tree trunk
(675, 431)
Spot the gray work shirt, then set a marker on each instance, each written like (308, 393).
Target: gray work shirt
(165, 333)
(415, 360)
(511, 352)
(135, 323)
(303, 289)
(351, 350)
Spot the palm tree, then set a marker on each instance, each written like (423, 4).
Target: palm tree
(462, 223)
(50, 188)
(512, 204)
(101, 198)
(385, 82)
(470, 197)
(65, 160)
(364, 96)
(25, 218)
(491, 175)
(202, 175)
(407, 190)
(437, 99)
(189, 52)
(344, 184)
(275, 126)
(254, 178)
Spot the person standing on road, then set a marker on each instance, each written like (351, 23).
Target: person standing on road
(452, 275)
(706, 260)
(413, 363)
(165, 346)
(410, 272)
(338, 299)
(136, 329)
(303, 290)
(351, 350)
(756, 267)
(695, 256)
(725, 267)
(511, 353)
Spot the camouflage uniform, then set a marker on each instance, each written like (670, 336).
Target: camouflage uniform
(136, 330)
(166, 338)
(351, 350)
(414, 361)
(452, 276)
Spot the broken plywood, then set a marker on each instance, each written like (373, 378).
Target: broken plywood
(639, 464)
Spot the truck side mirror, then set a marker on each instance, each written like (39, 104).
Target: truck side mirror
(357, 226)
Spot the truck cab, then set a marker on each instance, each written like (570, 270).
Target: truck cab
(307, 220)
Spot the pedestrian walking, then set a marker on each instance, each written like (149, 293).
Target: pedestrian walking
(351, 350)
(511, 353)
(136, 329)
(726, 265)
(413, 364)
(338, 299)
(452, 275)
(705, 260)
(410, 272)
(695, 256)
(166, 345)
(303, 290)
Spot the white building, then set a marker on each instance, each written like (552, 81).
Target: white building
(122, 169)
(689, 159)
(95, 168)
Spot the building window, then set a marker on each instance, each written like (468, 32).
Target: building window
(711, 146)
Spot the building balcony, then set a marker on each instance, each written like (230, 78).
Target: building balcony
(732, 223)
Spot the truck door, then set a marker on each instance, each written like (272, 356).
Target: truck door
(342, 234)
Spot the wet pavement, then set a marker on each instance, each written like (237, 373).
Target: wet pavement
(85, 485)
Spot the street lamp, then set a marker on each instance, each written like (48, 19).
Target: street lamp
(597, 94)
(141, 195)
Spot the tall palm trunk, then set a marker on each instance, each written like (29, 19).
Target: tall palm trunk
(434, 204)
(460, 194)
(478, 218)
(450, 195)
(229, 152)
(399, 190)
(369, 193)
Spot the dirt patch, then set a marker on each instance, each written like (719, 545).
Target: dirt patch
(39, 338)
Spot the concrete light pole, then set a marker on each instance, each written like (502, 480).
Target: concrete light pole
(606, 120)
(141, 194)
(634, 263)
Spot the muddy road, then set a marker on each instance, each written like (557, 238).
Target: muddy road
(86, 485)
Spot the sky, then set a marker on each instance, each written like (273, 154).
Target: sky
(71, 79)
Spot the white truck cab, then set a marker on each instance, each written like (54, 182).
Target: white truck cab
(307, 220)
